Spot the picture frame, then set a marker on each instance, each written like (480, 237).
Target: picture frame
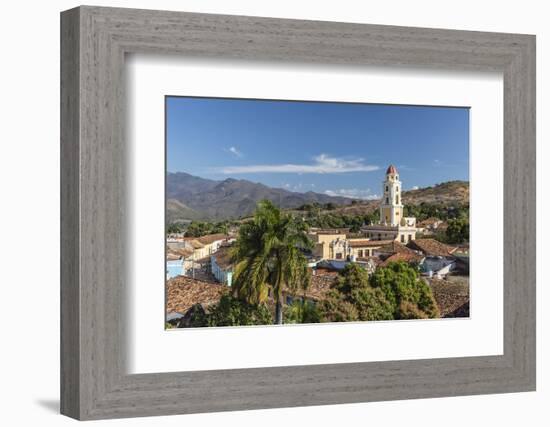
(94, 381)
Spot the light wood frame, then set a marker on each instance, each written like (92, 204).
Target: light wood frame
(94, 41)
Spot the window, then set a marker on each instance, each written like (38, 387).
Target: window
(396, 200)
(410, 237)
(386, 188)
(396, 189)
(402, 238)
(387, 201)
(360, 253)
(339, 256)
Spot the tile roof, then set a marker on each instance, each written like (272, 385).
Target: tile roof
(179, 252)
(368, 243)
(170, 256)
(428, 221)
(183, 292)
(211, 238)
(223, 257)
(395, 247)
(409, 257)
(321, 283)
(431, 247)
(194, 243)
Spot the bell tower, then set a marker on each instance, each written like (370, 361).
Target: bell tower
(391, 209)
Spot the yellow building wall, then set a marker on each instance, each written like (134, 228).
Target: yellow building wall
(386, 217)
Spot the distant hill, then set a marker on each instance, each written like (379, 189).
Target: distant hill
(451, 193)
(191, 198)
(176, 211)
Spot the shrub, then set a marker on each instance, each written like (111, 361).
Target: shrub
(458, 230)
(403, 289)
(231, 311)
(354, 299)
(302, 311)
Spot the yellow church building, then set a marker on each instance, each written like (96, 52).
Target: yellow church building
(393, 225)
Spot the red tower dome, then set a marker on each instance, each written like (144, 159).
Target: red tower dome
(391, 170)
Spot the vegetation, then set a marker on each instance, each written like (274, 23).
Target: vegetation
(269, 257)
(175, 228)
(201, 228)
(410, 297)
(353, 299)
(302, 311)
(315, 218)
(441, 211)
(458, 230)
(392, 292)
(231, 311)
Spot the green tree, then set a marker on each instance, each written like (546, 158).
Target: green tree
(200, 228)
(174, 228)
(354, 299)
(392, 292)
(269, 256)
(458, 230)
(302, 311)
(409, 296)
(231, 311)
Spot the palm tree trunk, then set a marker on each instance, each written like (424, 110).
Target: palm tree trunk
(279, 312)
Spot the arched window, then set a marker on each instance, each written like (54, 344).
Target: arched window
(396, 200)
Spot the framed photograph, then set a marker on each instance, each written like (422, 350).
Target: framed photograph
(261, 213)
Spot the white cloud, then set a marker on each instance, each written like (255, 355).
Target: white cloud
(353, 193)
(299, 188)
(235, 151)
(415, 187)
(322, 164)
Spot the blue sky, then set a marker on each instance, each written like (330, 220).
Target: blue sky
(332, 148)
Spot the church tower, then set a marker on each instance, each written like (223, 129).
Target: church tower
(391, 209)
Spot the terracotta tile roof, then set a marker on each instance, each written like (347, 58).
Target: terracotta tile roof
(368, 243)
(409, 257)
(395, 247)
(431, 247)
(179, 252)
(170, 256)
(428, 221)
(223, 257)
(321, 283)
(211, 238)
(183, 292)
(194, 243)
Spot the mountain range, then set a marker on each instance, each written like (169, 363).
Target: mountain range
(190, 197)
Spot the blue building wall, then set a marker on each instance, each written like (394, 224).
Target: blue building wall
(175, 268)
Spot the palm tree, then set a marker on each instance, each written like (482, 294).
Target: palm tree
(269, 255)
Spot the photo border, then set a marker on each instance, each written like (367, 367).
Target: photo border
(94, 382)
(225, 98)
